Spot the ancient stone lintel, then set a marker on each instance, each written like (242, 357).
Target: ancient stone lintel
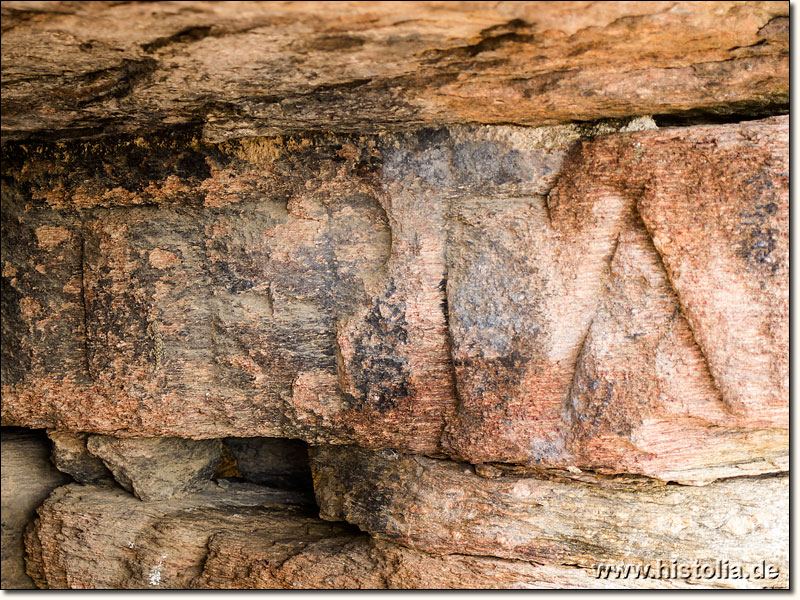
(439, 291)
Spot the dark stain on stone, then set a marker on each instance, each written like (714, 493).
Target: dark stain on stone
(332, 43)
(185, 36)
(382, 374)
(759, 238)
(117, 82)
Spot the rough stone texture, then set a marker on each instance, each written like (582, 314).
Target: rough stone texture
(71, 456)
(78, 540)
(519, 269)
(28, 477)
(273, 462)
(569, 519)
(280, 251)
(227, 466)
(700, 388)
(733, 280)
(264, 68)
(494, 294)
(239, 536)
(158, 468)
(633, 392)
(244, 560)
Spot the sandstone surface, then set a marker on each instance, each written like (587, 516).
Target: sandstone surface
(71, 456)
(158, 468)
(28, 477)
(493, 294)
(581, 519)
(242, 69)
(240, 536)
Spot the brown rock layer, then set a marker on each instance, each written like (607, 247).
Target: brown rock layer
(568, 519)
(71, 456)
(158, 468)
(244, 560)
(28, 477)
(268, 68)
(246, 537)
(78, 540)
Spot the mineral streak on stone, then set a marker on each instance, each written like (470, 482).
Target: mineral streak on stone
(264, 68)
(158, 468)
(28, 477)
(443, 507)
(70, 455)
(451, 291)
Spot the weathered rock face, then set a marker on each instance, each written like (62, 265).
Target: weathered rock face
(445, 507)
(517, 273)
(637, 381)
(162, 544)
(71, 456)
(264, 68)
(532, 296)
(245, 537)
(158, 468)
(28, 477)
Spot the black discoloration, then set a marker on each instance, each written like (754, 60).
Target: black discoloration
(759, 232)
(495, 379)
(118, 82)
(16, 360)
(429, 137)
(274, 462)
(445, 303)
(188, 35)
(381, 372)
(126, 162)
(41, 312)
(728, 112)
(515, 31)
(332, 43)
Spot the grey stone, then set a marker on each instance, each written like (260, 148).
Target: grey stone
(71, 456)
(158, 468)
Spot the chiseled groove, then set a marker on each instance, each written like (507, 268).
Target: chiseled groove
(85, 307)
(680, 307)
